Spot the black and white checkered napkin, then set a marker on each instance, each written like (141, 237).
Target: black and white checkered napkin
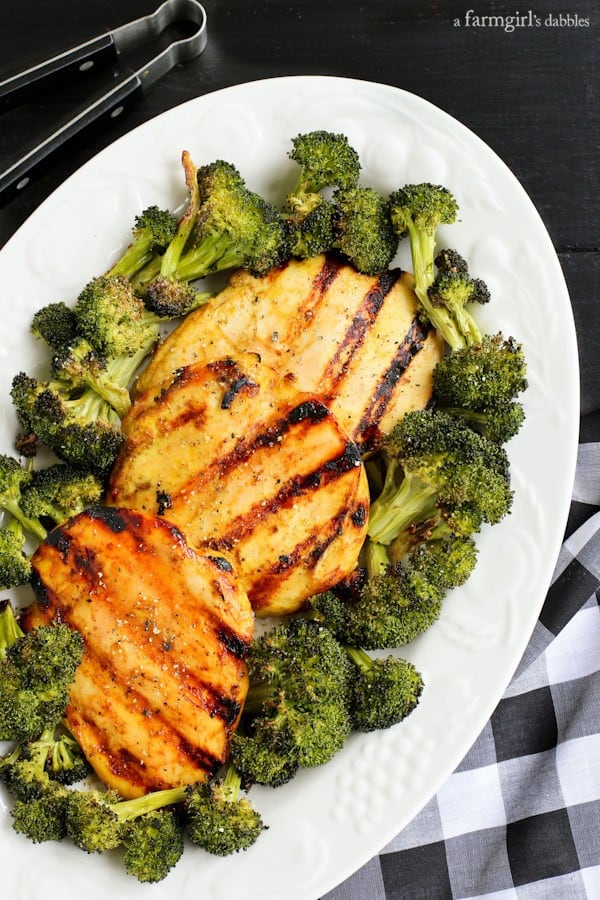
(520, 816)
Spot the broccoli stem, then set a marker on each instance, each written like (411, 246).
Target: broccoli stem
(398, 507)
(360, 658)
(10, 630)
(33, 526)
(131, 809)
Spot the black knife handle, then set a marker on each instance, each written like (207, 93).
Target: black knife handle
(110, 104)
(86, 57)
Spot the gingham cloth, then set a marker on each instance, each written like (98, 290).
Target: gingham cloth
(520, 816)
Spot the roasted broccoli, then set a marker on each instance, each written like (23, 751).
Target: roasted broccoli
(417, 211)
(36, 671)
(325, 160)
(153, 845)
(13, 479)
(450, 296)
(99, 820)
(219, 818)
(84, 430)
(384, 691)
(55, 324)
(59, 492)
(480, 383)
(399, 599)
(435, 460)
(40, 802)
(153, 230)
(363, 229)
(15, 564)
(296, 708)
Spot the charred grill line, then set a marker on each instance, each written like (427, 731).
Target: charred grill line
(240, 385)
(413, 342)
(298, 485)
(321, 284)
(355, 335)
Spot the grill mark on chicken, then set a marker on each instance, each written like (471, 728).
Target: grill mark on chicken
(318, 291)
(363, 320)
(381, 396)
(307, 553)
(297, 486)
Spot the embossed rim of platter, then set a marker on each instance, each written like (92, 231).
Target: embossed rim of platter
(329, 821)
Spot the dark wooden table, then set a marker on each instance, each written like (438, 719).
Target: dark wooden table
(527, 84)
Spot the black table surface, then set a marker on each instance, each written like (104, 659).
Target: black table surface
(525, 82)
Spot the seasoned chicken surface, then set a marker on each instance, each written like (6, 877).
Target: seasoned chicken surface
(354, 340)
(162, 680)
(240, 461)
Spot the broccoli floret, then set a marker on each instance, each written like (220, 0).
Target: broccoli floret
(98, 821)
(399, 600)
(363, 229)
(78, 367)
(325, 160)
(387, 613)
(260, 762)
(154, 229)
(449, 260)
(60, 491)
(297, 702)
(219, 818)
(84, 431)
(10, 630)
(55, 324)
(40, 803)
(309, 223)
(417, 211)
(35, 676)
(435, 459)
(13, 479)
(384, 691)
(113, 319)
(15, 564)
(481, 382)
(153, 845)
(235, 227)
(450, 294)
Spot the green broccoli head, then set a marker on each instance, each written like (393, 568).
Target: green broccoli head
(153, 230)
(36, 674)
(112, 317)
(219, 819)
(299, 683)
(42, 818)
(15, 564)
(309, 224)
(61, 491)
(442, 462)
(84, 431)
(485, 375)
(384, 691)
(153, 844)
(452, 292)
(13, 480)
(419, 209)
(55, 324)
(363, 229)
(325, 160)
(260, 762)
(91, 823)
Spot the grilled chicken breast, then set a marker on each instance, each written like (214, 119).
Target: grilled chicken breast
(354, 340)
(240, 461)
(162, 680)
